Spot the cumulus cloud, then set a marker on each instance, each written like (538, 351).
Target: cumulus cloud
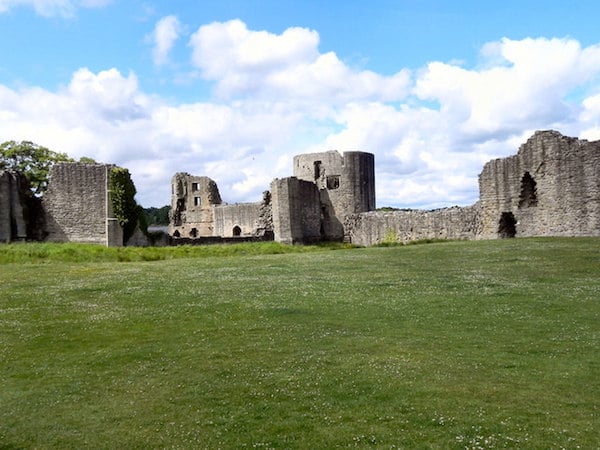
(49, 8)
(277, 95)
(165, 34)
(245, 62)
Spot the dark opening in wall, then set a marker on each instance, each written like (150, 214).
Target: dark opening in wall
(528, 195)
(197, 201)
(507, 226)
(176, 233)
(194, 232)
(317, 169)
(237, 231)
(333, 181)
(195, 187)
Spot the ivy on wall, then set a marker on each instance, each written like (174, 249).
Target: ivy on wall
(125, 208)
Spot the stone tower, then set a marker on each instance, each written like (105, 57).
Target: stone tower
(192, 205)
(326, 187)
(346, 185)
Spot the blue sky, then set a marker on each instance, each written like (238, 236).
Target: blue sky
(233, 89)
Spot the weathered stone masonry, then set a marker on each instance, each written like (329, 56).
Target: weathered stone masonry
(78, 205)
(551, 187)
(307, 207)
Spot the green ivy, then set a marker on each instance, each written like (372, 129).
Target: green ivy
(125, 208)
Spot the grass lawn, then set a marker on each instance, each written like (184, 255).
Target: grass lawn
(492, 344)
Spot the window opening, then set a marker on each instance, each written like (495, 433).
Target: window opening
(317, 170)
(176, 233)
(195, 187)
(333, 181)
(194, 232)
(237, 231)
(507, 226)
(528, 195)
(197, 201)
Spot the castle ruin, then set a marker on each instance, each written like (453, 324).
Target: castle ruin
(551, 187)
(307, 207)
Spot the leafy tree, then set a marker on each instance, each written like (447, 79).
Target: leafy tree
(125, 208)
(157, 216)
(33, 160)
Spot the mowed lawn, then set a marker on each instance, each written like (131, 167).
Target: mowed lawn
(448, 345)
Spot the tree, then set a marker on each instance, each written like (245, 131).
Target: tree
(32, 160)
(157, 216)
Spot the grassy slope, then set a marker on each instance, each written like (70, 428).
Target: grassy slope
(449, 345)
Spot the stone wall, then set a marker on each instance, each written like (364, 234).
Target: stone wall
(551, 187)
(244, 219)
(77, 205)
(240, 219)
(376, 227)
(296, 211)
(192, 205)
(12, 220)
(346, 185)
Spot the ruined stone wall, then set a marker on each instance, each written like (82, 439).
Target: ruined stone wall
(240, 219)
(377, 227)
(245, 219)
(296, 211)
(551, 187)
(77, 205)
(12, 221)
(346, 185)
(192, 205)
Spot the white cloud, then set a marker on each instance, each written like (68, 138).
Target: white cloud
(49, 8)
(431, 131)
(165, 34)
(245, 62)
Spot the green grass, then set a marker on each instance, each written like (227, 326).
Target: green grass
(449, 345)
(51, 252)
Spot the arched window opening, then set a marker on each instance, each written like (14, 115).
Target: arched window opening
(176, 233)
(528, 195)
(237, 231)
(507, 226)
(194, 232)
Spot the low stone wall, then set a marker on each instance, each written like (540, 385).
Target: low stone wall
(240, 218)
(376, 227)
